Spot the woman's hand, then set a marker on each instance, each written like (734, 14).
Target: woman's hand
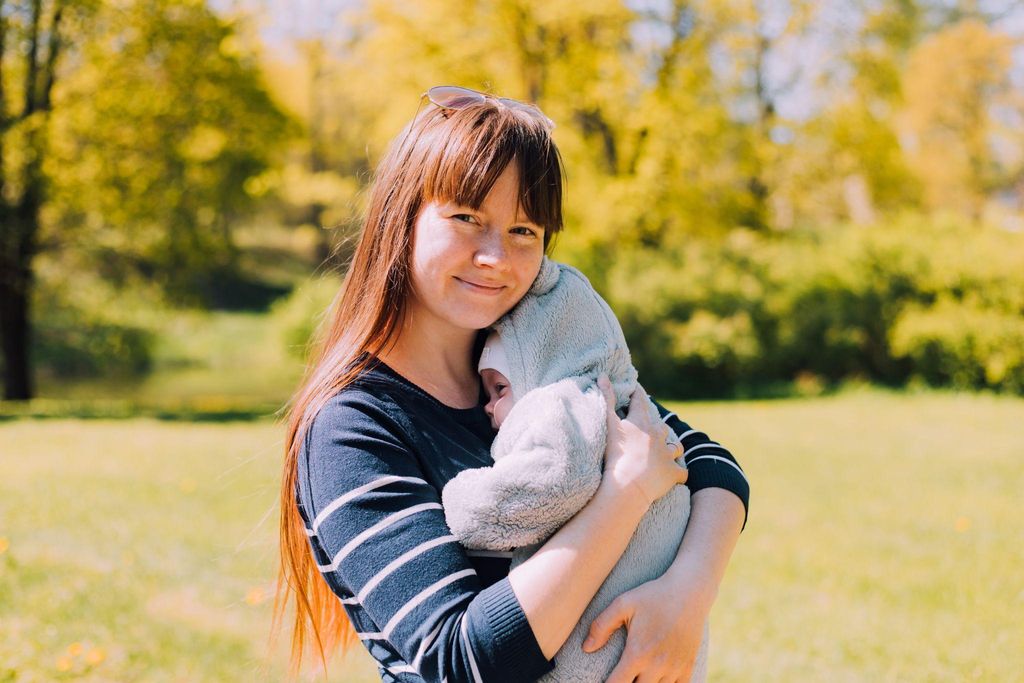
(640, 457)
(664, 631)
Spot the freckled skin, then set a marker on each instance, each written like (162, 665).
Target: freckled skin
(471, 266)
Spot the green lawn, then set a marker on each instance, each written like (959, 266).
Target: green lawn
(885, 543)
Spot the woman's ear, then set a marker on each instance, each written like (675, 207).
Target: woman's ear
(546, 278)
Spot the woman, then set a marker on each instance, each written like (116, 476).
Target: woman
(462, 209)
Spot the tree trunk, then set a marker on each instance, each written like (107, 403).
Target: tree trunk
(19, 219)
(15, 288)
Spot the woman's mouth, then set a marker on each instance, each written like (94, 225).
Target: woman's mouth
(481, 288)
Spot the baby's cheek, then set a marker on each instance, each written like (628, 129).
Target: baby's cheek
(501, 409)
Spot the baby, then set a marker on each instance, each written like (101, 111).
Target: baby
(540, 367)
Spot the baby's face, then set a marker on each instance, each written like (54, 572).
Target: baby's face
(499, 396)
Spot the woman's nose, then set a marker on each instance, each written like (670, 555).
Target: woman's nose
(491, 253)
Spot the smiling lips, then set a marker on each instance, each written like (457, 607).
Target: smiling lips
(482, 288)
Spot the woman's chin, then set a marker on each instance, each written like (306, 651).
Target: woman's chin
(480, 320)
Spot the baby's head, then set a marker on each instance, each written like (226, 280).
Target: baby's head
(493, 368)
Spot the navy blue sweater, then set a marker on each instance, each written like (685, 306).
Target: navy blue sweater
(369, 491)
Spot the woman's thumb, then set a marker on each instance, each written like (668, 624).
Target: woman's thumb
(605, 385)
(604, 626)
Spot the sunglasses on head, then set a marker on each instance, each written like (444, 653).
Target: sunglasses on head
(456, 97)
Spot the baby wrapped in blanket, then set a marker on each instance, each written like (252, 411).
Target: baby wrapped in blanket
(540, 367)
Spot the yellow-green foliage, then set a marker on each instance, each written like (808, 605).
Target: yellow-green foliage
(940, 301)
(79, 334)
(156, 131)
(882, 545)
(298, 316)
(962, 345)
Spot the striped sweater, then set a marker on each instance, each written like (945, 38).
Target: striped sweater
(369, 487)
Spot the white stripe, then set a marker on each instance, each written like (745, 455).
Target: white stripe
(704, 445)
(686, 434)
(349, 601)
(469, 652)
(354, 493)
(403, 669)
(370, 636)
(489, 553)
(424, 644)
(399, 561)
(668, 415)
(725, 460)
(384, 523)
(421, 597)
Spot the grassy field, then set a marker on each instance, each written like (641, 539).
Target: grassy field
(885, 543)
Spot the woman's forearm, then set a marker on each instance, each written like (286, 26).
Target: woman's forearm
(555, 585)
(716, 517)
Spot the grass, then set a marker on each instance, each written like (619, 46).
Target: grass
(150, 545)
(884, 541)
(884, 544)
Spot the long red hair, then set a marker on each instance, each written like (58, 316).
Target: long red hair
(444, 155)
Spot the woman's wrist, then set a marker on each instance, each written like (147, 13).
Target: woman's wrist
(690, 576)
(623, 497)
(559, 580)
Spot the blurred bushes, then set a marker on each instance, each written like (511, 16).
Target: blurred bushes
(72, 343)
(298, 316)
(952, 343)
(85, 328)
(227, 288)
(914, 300)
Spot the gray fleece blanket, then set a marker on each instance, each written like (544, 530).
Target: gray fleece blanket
(548, 454)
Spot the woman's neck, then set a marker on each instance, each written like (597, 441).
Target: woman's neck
(437, 361)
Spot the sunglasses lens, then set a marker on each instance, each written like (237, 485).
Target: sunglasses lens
(530, 109)
(453, 97)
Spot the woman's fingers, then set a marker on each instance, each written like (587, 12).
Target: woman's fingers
(609, 398)
(644, 415)
(641, 452)
(684, 475)
(638, 406)
(605, 624)
(626, 670)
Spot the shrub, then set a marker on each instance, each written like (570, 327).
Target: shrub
(959, 344)
(298, 316)
(937, 300)
(72, 344)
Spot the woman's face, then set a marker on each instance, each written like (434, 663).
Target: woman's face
(470, 266)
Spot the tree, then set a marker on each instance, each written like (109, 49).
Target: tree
(317, 187)
(758, 39)
(162, 127)
(33, 40)
(138, 150)
(953, 82)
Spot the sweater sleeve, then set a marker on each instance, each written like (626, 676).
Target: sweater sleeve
(710, 464)
(377, 529)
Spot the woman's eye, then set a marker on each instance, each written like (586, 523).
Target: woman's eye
(521, 230)
(465, 217)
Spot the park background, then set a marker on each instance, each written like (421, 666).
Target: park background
(809, 217)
